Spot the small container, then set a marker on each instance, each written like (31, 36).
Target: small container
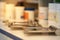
(29, 14)
(52, 14)
(2, 10)
(19, 11)
(9, 11)
(43, 17)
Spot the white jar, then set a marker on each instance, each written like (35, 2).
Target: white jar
(43, 17)
(2, 10)
(9, 12)
(52, 14)
(19, 11)
(58, 12)
(29, 14)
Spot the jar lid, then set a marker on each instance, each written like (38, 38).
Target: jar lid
(29, 8)
(20, 4)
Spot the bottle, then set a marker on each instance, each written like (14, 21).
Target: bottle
(52, 14)
(19, 11)
(9, 12)
(29, 14)
(2, 10)
(43, 11)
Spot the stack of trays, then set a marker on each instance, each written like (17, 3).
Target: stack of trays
(18, 25)
(38, 30)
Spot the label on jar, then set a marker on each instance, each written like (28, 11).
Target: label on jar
(29, 15)
(52, 12)
(26, 15)
(43, 12)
